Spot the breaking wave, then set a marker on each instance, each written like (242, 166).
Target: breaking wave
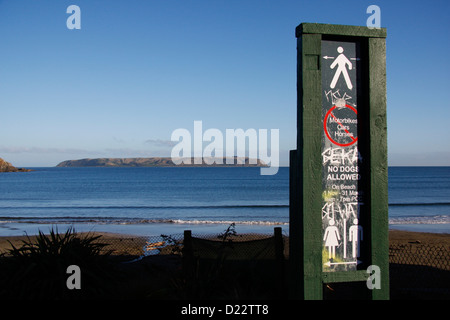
(125, 221)
(437, 219)
(232, 206)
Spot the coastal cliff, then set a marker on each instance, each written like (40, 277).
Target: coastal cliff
(8, 167)
(152, 162)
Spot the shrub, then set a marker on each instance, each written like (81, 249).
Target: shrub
(39, 269)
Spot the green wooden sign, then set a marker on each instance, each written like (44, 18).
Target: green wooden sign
(338, 176)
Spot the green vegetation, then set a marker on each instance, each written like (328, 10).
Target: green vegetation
(38, 270)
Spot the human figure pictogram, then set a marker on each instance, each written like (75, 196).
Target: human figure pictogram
(355, 236)
(331, 238)
(341, 61)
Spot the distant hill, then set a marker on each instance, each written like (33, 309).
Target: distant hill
(8, 167)
(153, 162)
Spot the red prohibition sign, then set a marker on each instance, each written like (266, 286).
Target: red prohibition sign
(330, 113)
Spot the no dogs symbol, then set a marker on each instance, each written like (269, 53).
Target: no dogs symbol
(340, 125)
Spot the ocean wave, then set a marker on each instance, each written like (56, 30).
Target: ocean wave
(126, 221)
(419, 204)
(134, 221)
(232, 206)
(213, 206)
(248, 222)
(439, 219)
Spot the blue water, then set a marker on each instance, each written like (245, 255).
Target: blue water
(419, 198)
(152, 201)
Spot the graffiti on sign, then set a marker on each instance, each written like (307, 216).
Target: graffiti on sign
(342, 232)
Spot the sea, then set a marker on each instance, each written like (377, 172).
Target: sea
(149, 201)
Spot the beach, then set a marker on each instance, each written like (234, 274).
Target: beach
(396, 237)
(419, 264)
(424, 238)
(123, 244)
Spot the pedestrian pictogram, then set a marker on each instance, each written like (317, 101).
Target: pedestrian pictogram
(342, 62)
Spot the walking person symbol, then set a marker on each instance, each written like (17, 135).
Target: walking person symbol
(341, 61)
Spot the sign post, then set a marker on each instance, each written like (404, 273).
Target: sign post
(338, 173)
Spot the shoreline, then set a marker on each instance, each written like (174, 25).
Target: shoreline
(10, 229)
(418, 265)
(137, 230)
(396, 237)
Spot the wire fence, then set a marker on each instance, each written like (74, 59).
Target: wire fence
(174, 243)
(258, 264)
(419, 270)
(415, 270)
(433, 256)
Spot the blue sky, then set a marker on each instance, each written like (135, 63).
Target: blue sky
(139, 69)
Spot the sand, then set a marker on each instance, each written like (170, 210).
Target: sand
(122, 244)
(132, 245)
(424, 238)
(158, 276)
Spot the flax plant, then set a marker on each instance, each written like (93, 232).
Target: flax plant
(38, 269)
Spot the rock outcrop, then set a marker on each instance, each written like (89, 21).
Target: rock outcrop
(8, 167)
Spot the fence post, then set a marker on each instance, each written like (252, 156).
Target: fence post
(278, 243)
(279, 258)
(188, 253)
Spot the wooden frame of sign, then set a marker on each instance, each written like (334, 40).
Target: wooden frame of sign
(338, 226)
